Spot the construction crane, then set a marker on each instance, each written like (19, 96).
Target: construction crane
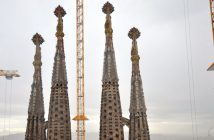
(80, 116)
(211, 68)
(9, 74)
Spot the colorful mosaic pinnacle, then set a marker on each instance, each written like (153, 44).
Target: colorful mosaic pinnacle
(108, 8)
(134, 33)
(37, 39)
(59, 12)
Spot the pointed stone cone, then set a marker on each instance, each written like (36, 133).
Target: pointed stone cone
(111, 113)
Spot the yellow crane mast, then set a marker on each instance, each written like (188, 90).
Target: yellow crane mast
(80, 117)
(211, 68)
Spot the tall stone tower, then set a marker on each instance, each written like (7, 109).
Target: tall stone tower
(36, 121)
(111, 112)
(138, 126)
(59, 126)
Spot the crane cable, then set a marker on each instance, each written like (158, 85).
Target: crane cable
(191, 81)
(10, 103)
(6, 108)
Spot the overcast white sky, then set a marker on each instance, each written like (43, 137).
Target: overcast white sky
(162, 47)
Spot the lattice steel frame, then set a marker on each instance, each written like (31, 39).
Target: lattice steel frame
(80, 117)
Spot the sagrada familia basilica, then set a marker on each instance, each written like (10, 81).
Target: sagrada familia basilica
(58, 125)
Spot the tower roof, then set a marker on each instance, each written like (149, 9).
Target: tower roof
(59, 126)
(36, 121)
(111, 112)
(109, 67)
(137, 97)
(36, 105)
(138, 128)
(59, 70)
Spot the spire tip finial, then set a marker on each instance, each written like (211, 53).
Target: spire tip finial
(134, 33)
(108, 8)
(59, 12)
(37, 39)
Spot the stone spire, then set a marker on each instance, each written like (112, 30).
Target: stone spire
(59, 126)
(109, 67)
(36, 121)
(59, 70)
(111, 113)
(138, 125)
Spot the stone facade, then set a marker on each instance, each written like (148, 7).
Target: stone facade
(36, 122)
(59, 126)
(138, 125)
(111, 113)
